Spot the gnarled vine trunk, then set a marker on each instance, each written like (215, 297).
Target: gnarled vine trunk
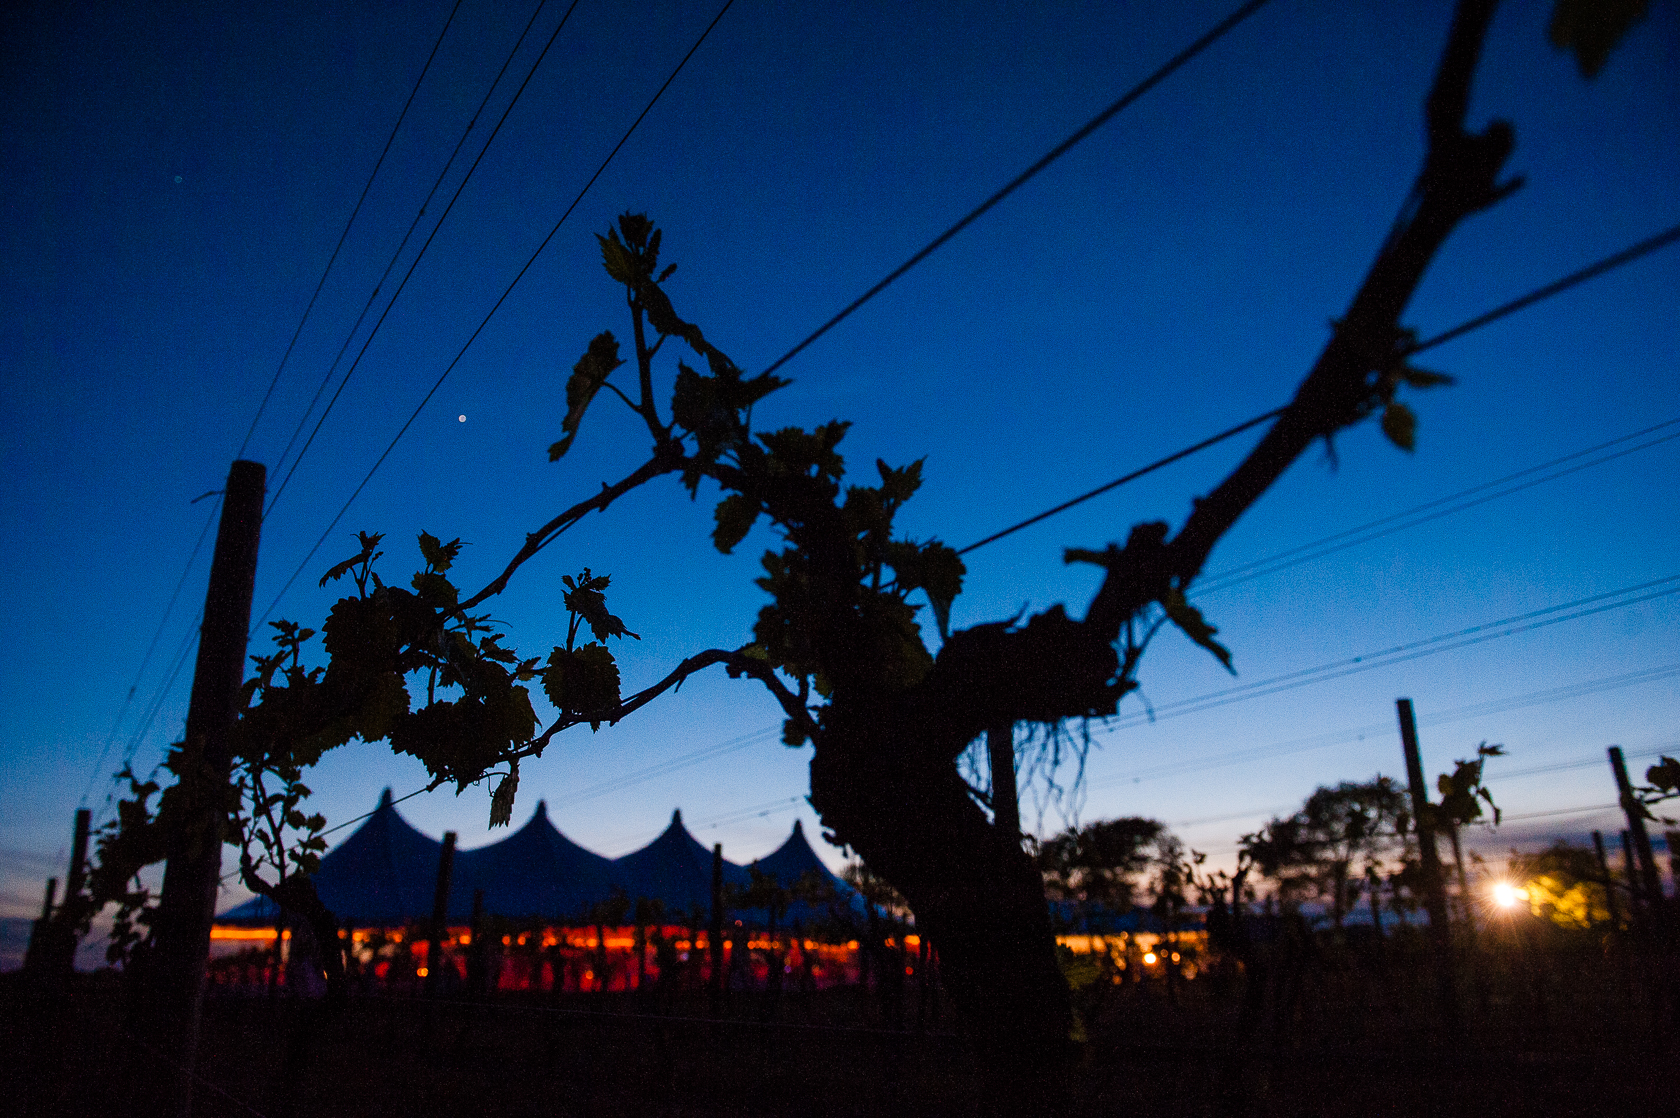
(976, 895)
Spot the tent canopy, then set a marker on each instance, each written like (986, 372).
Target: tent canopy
(676, 870)
(536, 871)
(385, 875)
(790, 862)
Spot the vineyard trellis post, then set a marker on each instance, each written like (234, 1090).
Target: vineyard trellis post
(41, 931)
(714, 931)
(440, 916)
(1649, 883)
(1434, 891)
(278, 960)
(52, 943)
(73, 882)
(1636, 895)
(174, 982)
(478, 960)
(1610, 904)
(1615, 942)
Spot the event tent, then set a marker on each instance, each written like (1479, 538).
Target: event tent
(792, 861)
(385, 874)
(675, 869)
(536, 872)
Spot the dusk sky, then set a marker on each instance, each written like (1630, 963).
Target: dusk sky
(175, 178)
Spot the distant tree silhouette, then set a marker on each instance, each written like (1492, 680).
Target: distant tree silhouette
(1319, 850)
(1097, 865)
(1095, 869)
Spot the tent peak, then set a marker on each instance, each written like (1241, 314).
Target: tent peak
(798, 828)
(384, 798)
(542, 810)
(676, 817)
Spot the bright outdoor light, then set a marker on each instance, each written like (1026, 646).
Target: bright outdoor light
(1506, 895)
(1149, 958)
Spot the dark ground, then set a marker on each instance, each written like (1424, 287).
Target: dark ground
(1579, 1037)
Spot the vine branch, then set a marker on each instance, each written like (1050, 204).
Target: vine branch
(1458, 179)
(667, 458)
(736, 661)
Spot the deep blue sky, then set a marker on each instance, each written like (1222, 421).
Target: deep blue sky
(174, 179)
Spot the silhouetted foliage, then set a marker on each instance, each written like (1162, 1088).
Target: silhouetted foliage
(1462, 790)
(1318, 851)
(1097, 865)
(1590, 29)
(1662, 784)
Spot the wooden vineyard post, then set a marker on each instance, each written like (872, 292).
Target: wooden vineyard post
(1632, 874)
(1434, 892)
(204, 761)
(1610, 902)
(1373, 889)
(51, 954)
(1006, 805)
(874, 947)
(47, 900)
(921, 983)
(714, 930)
(78, 854)
(1650, 884)
(65, 941)
(1467, 909)
(933, 984)
(440, 916)
(40, 932)
(691, 971)
(1614, 908)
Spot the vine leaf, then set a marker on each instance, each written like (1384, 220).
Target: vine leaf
(1425, 378)
(1399, 423)
(935, 569)
(588, 375)
(1188, 618)
(735, 515)
(434, 589)
(370, 552)
(899, 484)
(582, 681)
(619, 262)
(584, 597)
(439, 556)
(942, 578)
(1087, 555)
(1592, 28)
(501, 801)
(1665, 775)
(1462, 788)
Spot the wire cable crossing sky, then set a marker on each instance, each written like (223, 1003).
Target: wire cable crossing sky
(342, 237)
